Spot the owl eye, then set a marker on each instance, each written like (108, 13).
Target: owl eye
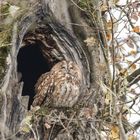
(63, 67)
(70, 67)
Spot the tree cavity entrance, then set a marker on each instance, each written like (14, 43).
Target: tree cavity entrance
(38, 54)
(31, 64)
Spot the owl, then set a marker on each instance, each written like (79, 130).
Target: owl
(61, 87)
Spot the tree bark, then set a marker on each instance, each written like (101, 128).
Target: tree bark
(60, 18)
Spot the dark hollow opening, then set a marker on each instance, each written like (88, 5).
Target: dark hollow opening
(31, 64)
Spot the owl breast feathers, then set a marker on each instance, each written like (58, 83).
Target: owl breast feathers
(60, 87)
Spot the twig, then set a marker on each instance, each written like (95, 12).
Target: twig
(77, 5)
(127, 15)
(32, 131)
(132, 64)
(113, 48)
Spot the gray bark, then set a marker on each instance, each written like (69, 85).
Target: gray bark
(69, 40)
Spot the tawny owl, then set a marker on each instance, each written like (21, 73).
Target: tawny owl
(60, 87)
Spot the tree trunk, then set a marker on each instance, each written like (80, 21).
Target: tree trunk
(62, 24)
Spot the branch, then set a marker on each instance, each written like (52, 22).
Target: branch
(134, 77)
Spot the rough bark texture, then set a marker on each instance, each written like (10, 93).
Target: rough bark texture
(57, 17)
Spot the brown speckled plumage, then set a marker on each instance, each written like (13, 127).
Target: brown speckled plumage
(60, 87)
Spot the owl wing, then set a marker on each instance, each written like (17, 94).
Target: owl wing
(60, 87)
(43, 89)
